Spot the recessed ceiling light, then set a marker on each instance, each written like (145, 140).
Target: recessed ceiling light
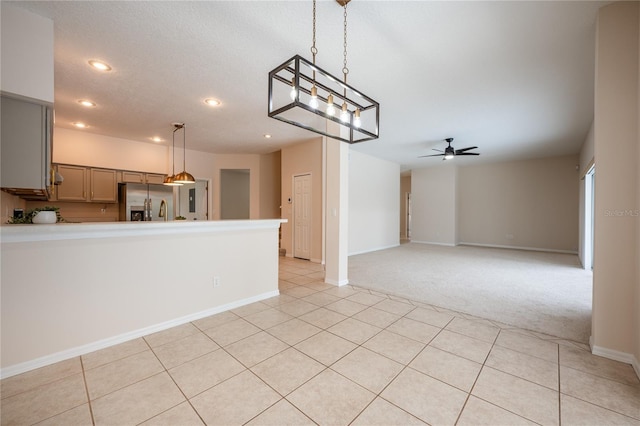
(157, 139)
(212, 102)
(267, 136)
(99, 65)
(80, 125)
(86, 103)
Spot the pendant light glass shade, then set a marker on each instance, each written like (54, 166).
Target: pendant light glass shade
(170, 180)
(184, 176)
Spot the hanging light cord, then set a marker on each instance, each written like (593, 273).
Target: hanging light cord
(173, 143)
(184, 145)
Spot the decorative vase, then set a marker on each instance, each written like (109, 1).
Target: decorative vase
(43, 217)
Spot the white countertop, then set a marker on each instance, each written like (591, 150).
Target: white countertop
(75, 231)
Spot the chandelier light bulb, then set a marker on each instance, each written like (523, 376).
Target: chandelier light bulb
(357, 122)
(293, 92)
(313, 103)
(344, 115)
(331, 109)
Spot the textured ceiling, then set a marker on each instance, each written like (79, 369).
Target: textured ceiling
(514, 78)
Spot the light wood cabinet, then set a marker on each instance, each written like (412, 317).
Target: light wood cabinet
(87, 184)
(74, 185)
(154, 178)
(104, 186)
(140, 177)
(132, 177)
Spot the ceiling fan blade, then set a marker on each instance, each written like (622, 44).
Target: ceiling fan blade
(439, 150)
(468, 153)
(434, 155)
(465, 149)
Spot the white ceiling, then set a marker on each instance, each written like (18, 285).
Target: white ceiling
(514, 78)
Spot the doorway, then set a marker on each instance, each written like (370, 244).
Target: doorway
(589, 217)
(302, 216)
(193, 200)
(235, 193)
(408, 207)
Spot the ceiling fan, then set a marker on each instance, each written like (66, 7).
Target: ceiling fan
(449, 152)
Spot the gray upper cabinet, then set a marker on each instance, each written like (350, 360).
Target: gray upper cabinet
(25, 148)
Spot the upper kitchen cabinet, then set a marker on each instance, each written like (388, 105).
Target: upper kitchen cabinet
(87, 184)
(140, 177)
(104, 186)
(26, 53)
(74, 184)
(25, 143)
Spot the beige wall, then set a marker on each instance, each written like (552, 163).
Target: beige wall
(374, 212)
(88, 293)
(616, 279)
(303, 158)
(89, 149)
(530, 204)
(234, 194)
(270, 178)
(636, 333)
(434, 205)
(405, 187)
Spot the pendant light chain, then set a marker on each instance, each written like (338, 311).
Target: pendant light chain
(314, 50)
(345, 70)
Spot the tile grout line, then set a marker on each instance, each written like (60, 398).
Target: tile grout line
(86, 389)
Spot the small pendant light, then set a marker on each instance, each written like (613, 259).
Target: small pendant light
(184, 176)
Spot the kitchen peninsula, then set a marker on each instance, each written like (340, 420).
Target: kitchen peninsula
(68, 289)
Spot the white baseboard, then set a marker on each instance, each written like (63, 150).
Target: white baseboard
(434, 243)
(518, 248)
(316, 261)
(625, 357)
(336, 283)
(12, 370)
(374, 249)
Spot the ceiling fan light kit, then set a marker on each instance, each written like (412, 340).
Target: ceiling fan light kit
(449, 153)
(304, 95)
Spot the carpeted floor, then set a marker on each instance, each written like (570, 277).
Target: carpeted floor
(544, 292)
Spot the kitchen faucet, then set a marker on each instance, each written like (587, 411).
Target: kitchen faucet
(163, 210)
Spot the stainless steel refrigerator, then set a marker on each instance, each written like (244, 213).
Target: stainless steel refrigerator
(146, 202)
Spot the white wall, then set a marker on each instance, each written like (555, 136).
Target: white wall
(616, 279)
(526, 204)
(27, 54)
(87, 293)
(374, 211)
(434, 199)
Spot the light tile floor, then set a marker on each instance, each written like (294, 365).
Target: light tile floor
(335, 356)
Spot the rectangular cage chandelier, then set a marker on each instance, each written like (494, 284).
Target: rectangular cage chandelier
(306, 96)
(290, 100)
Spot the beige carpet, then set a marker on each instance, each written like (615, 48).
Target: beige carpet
(545, 292)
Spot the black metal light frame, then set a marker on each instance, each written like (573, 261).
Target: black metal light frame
(341, 91)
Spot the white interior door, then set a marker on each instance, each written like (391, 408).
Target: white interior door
(302, 216)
